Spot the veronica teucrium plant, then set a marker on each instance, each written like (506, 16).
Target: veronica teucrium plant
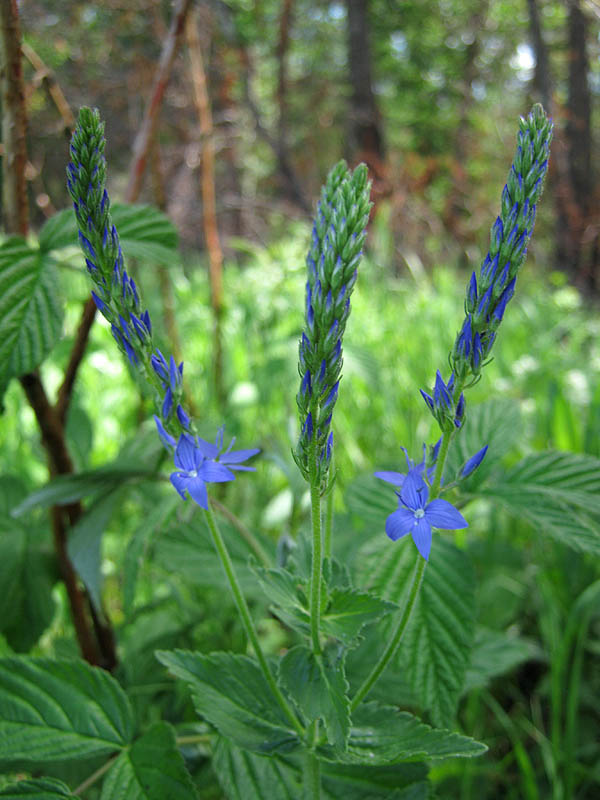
(297, 718)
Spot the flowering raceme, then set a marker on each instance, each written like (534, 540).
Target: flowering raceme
(116, 296)
(485, 304)
(337, 239)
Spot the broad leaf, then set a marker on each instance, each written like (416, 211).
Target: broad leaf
(85, 540)
(349, 610)
(559, 493)
(188, 550)
(496, 653)
(318, 686)
(232, 694)
(151, 769)
(384, 735)
(244, 775)
(66, 489)
(30, 308)
(435, 650)
(58, 710)
(37, 789)
(390, 782)
(27, 577)
(144, 232)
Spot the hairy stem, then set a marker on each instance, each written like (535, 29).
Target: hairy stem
(244, 612)
(329, 510)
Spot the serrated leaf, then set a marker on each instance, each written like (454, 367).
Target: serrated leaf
(384, 735)
(151, 769)
(30, 307)
(496, 653)
(283, 588)
(66, 489)
(319, 688)
(435, 649)
(58, 710)
(349, 610)
(559, 493)
(497, 423)
(232, 694)
(37, 789)
(144, 232)
(244, 775)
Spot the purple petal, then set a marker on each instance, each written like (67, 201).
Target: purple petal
(395, 478)
(180, 482)
(399, 523)
(197, 489)
(166, 437)
(422, 537)
(414, 492)
(473, 462)
(207, 449)
(237, 456)
(185, 454)
(442, 514)
(213, 472)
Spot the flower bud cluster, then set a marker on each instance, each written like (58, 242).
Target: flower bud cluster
(488, 295)
(115, 293)
(448, 412)
(338, 237)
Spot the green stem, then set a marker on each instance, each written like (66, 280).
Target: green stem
(317, 550)
(312, 776)
(329, 512)
(95, 776)
(419, 571)
(244, 611)
(246, 534)
(312, 768)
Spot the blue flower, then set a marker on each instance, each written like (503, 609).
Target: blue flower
(398, 478)
(199, 462)
(417, 517)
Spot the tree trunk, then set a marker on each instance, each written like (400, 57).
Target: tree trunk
(365, 123)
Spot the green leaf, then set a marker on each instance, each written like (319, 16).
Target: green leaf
(319, 688)
(156, 517)
(362, 782)
(349, 610)
(232, 694)
(37, 789)
(244, 775)
(497, 423)
(27, 577)
(59, 710)
(495, 653)
(144, 232)
(559, 493)
(151, 769)
(384, 735)
(66, 489)
(188, 550)
(371, 501)
(30, 308)
(85, 540)
(435, 650)
(285, 590)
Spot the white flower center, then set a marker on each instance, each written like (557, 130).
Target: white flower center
(419, 513)
(193, 473)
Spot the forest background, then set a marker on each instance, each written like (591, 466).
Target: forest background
(254, 102)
